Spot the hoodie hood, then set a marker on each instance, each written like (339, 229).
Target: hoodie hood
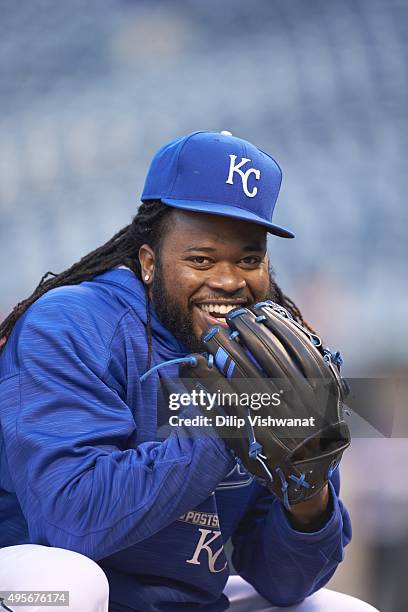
(165, 343)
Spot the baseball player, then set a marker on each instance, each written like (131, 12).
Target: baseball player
(89, 488)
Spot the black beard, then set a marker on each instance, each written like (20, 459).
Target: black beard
(178, 320)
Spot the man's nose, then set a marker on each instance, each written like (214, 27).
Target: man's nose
(226, 277)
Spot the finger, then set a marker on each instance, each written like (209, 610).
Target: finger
(230, 358)
(268, 349)
(308, 358)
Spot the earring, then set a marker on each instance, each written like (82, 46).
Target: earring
(146, 277)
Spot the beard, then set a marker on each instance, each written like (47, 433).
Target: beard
(173, 316)
(178, 319)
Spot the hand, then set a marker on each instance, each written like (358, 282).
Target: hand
(311, 515)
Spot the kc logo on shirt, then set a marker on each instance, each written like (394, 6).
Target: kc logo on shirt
(236, 168)
(208, 537)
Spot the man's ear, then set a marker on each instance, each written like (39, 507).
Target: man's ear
(147, 263)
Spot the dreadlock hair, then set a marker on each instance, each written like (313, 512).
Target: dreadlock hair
(147, 227)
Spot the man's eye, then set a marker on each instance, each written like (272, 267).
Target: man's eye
(199, 259)
(251, 260)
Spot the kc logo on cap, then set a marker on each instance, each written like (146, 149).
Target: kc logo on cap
(244, 175)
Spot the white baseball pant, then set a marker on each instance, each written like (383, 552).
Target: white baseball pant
(33, 567)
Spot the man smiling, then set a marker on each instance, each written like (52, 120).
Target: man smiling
(216, 271)
(83, 466)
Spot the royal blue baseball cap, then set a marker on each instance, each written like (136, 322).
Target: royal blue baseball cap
(219, 174)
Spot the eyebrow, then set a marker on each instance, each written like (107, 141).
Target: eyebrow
(248, 248)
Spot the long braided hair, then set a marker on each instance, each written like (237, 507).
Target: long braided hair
(147, 227)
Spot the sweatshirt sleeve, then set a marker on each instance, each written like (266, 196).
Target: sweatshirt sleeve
(67, 436)
(285, 565)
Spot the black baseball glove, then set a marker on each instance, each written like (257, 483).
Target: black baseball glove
(293, 441)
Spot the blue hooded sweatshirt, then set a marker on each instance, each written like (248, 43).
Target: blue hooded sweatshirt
(83, 465)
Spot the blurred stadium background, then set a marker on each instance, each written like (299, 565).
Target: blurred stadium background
(90, 89)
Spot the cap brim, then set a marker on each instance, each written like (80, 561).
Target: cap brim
(227, 210)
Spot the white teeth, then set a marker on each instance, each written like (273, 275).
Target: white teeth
(224, 309)
(217, 308)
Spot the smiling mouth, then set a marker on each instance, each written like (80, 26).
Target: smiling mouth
(218, 311)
